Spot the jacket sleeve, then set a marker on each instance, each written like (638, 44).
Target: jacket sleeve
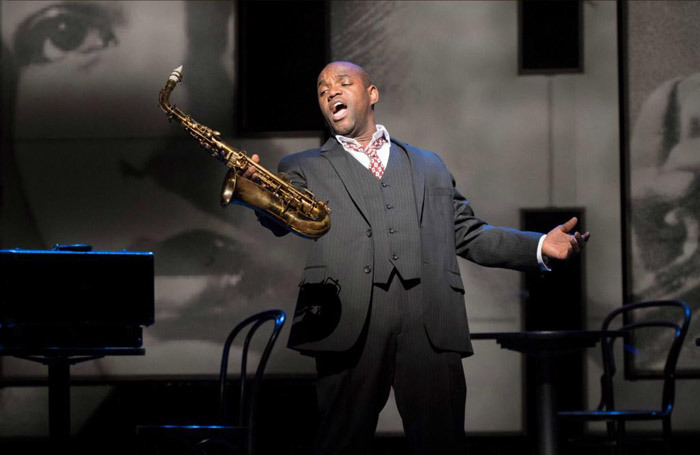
(290, 167)
(492, 246)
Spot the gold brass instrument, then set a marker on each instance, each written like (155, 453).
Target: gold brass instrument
(270, 194)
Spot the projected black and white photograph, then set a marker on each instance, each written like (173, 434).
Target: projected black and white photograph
(94, 160)
(663, 109)
(346, 227)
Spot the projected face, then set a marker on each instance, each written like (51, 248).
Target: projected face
(97, 161)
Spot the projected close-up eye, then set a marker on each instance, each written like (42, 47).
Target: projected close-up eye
(69, 57)
(58, 31)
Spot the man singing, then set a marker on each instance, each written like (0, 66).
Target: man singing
(381, 303)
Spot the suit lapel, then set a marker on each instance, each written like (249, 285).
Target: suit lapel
(418, 168)
(338, 157)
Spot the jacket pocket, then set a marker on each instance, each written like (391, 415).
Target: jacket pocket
(455, 280)
(440, 191)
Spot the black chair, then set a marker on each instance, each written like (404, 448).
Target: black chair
(671, 315)
(225, 437)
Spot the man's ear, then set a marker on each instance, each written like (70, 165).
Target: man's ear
(373, 93)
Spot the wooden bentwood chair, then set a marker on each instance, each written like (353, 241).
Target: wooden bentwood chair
(226, 437)
(677, 328)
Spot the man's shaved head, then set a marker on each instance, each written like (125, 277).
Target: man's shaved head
(346, 97)
(357, 69)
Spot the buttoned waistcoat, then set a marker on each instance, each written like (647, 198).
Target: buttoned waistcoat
(336, 284)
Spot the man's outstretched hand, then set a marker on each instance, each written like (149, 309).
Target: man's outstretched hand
(559, 244)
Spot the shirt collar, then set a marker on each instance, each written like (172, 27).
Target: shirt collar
(381, 132)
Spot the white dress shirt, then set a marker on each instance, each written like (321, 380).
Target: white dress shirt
(362, 157)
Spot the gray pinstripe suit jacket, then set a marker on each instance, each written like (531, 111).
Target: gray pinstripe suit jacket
(336, 287)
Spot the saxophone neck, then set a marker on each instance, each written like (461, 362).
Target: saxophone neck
(164, 98)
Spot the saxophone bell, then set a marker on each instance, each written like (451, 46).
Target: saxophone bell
(228, 187)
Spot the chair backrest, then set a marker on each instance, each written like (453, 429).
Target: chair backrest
(676, 322)
(248, 392)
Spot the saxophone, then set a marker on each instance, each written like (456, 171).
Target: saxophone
(271, 195)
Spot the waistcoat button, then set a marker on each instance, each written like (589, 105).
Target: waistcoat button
(367, 269)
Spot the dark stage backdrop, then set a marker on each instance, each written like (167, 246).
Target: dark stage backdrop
(662, 139)
(88, 157)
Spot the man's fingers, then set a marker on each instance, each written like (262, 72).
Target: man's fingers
(581, 239)
(578, 241)
(575, 243)
(560, 244)
(569, 225)
(250, 172)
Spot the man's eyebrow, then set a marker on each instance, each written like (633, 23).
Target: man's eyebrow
(339, 76)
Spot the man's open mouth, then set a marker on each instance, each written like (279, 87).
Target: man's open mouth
(339, 110)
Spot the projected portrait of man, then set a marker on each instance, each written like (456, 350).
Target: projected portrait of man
(665, 196)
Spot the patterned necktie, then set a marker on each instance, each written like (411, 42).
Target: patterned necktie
(375, 164)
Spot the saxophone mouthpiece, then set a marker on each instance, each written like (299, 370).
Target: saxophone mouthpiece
(176, 75)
